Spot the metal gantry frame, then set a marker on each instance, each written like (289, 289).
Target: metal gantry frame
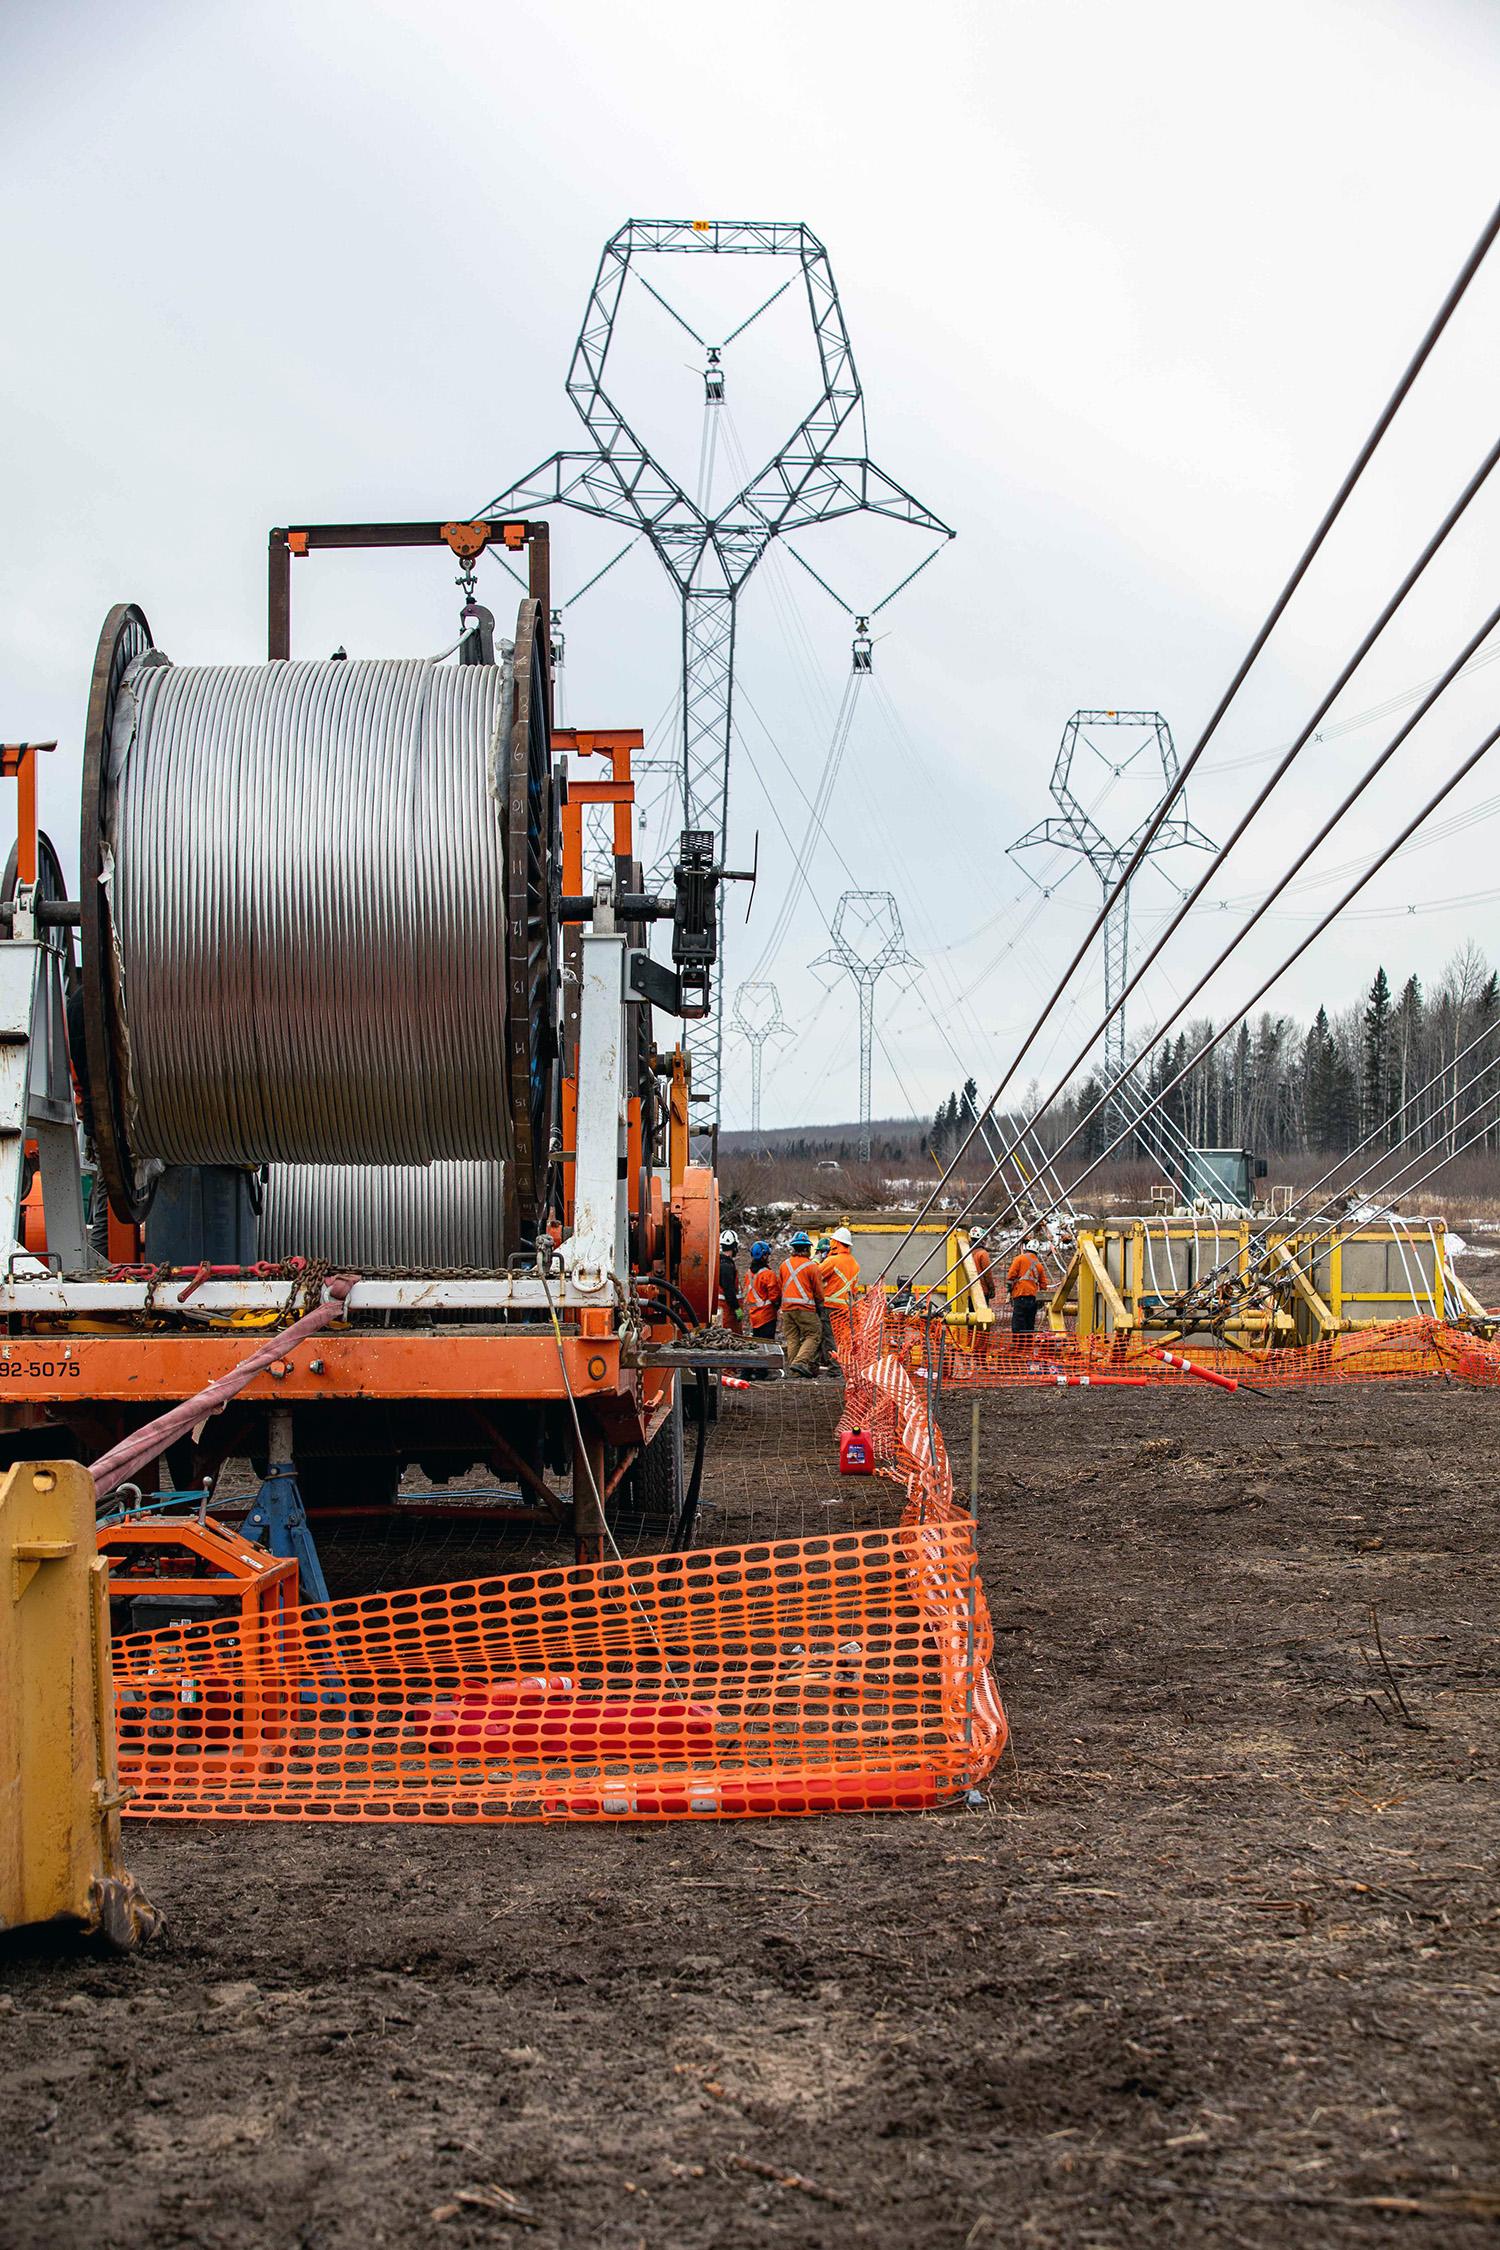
(1073, 829)
(821, 472)
(867, 940)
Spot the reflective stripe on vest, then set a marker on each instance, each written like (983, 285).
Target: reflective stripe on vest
(839, 1274)
(799, 1283)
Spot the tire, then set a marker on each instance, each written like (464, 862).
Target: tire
(653, 1491)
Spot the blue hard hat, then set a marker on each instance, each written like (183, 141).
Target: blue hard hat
(760, 1249)
(801, 1240)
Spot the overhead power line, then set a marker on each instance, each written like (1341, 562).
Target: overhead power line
(1336, 506)
(1259, 1243)
(1110, 1092)
(1351, 797)
(1280, 970)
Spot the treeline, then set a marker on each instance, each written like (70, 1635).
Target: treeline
(816, 1147)
(1280, 1087)
(952, 1119)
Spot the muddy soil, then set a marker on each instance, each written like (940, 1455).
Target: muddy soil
(1216, 1962)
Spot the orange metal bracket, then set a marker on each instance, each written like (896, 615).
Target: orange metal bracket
(677, 1126)
(617, 745)
(18, 764)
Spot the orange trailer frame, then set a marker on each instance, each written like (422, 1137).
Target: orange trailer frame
(54, 1361)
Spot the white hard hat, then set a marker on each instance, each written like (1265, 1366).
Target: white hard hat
(729, 1240)
(842, 1234)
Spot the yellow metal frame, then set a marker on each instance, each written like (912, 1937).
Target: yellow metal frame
(957, 1281)
(1099, 1304)
(60, 1792)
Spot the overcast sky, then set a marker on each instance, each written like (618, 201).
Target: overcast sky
(1126, 286)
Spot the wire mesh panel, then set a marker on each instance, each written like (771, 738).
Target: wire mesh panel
(1384, 1351)
(842, 1670)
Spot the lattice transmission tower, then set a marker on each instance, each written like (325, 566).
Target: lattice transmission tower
(822, 471)
(758, 1020)
(867, 941)
(1144, 736)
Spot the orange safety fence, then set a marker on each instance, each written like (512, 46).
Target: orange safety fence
(845, 1673)
(992, 1359)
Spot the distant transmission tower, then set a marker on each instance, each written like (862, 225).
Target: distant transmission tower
(822, 471)
(1145, 735)
(758, 1020)
(867, 940)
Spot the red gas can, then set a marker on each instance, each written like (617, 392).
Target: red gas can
(856, 1455)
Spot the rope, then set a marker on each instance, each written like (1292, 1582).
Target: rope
(309, 899)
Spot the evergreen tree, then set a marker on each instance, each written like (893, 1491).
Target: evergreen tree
(1407, 1042)
(1319, 1067)
(1242, 1085)
(1375, 1056)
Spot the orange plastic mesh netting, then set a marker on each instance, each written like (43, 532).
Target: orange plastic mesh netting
(1386, 1351)
(843, 1673)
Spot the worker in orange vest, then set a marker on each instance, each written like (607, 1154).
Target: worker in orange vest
(983, 1264)
(801, 1306)
(762, 1292)
(1026, 1280)
(838, 1271)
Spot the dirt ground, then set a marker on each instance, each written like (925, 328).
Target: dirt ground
(1216, 1962)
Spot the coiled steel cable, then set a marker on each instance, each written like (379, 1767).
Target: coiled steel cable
(307, 884)
(382, 1217)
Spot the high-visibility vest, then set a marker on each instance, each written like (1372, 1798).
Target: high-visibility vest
(762, 1295)
(839, 1272)
(1027, 1276)
(800, 1286)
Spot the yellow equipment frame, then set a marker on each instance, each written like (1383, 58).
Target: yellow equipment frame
(1091, 1299)
(60, 1792)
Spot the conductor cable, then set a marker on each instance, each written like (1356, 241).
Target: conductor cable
(306, 867)
(1459, 774)
(1350, 798)
(1304, 563)
(1260, 1241)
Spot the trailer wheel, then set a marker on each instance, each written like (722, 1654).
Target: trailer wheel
(652, 1493)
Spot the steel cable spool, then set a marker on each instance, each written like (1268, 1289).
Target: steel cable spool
(317, 927)
(386, 1217)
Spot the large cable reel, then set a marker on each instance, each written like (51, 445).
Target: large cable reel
(319, 914)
